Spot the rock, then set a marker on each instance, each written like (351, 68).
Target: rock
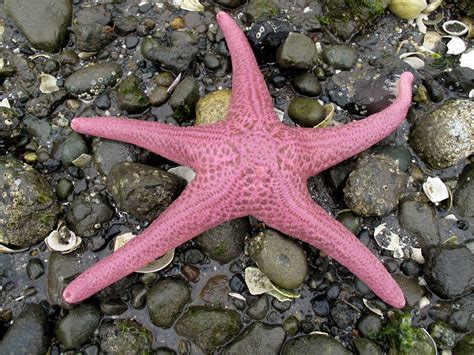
(130, 95)
(343, 315)
(263, 9)
(366, 347)
(216, 291)
(226, 241)
(43, 22)
(93, 79)
(211, 61)
(306, 112)
(87, 213)
(209, 327)
(142, 190)
(306, 84)
(464, 194)
(184, 98)
(107, 153)
(72, 148)
(374, 186)
(448, 270)
(257, 338)
(320, 306)
(369, 326)
(307, 344)
(125, 25)
(176, 58)
(79, 324)
(43, 105)
(446, 135)
(158, 96)
(411, 289)
(166, 300)
(458, 79)
(297, 52)
(138, 293)
(258, 310)
(125, 336)
(458, 314)
(444, 336)
(35, 269)
(213, 107)
(10, 124)
(93, 14)
(291, 325)
(230, 4)
(29, 333)
(398, 153)
(419, 219)
(282, 260)
(351, 221)
(92, 37)
(21, 77)
(28, 208)
(465, 346)
(113, 307)
(340, 56)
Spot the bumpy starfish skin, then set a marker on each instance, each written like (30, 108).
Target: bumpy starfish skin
(249, 164)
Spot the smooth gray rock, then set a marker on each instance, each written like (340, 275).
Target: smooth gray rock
(257, 338)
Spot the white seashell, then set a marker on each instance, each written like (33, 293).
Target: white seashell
(372, 308)
(415, 254)
(62, 240)
(6, 250)
(154, 266)
(456, 46)
(48, 84)
(256, 281)
(189, 5)
(431, 40)
(435, 190)
(385, 238)
(184, 172)
(5, 103)
(414, 62)
(237, 295)
(454, 33)
(174, 84)
(280, 114)
(430, 339)
(423, 302)
(467, 59)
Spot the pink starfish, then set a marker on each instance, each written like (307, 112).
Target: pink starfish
(249, 164)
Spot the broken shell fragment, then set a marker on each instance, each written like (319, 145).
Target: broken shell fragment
(189, 5)
(258, 284)
(48, 84)
(435, 190)
(6, 250)
(184, 172)
(467, 59)
(155, 265)
(413, 59)
(385, 238)
(455, 28)
(62, 240)
(456, 46)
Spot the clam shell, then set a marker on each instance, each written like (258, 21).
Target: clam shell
(407, 9)
(435, 190)
(456, 46)
(62, 240)
(460, 32)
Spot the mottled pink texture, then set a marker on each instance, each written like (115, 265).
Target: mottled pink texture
(249, 164)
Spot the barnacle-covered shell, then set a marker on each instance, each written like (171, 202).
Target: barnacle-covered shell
(407, 9)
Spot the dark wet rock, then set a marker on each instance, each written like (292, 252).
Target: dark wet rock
(267, 36)
(125, 336)
(125, 25)
(87, 213)
(35, 269)
(76, 328)
(131, 42)
(93, 79)
(226, 241)
(464, 194)
(320, 306)
(216, 291)
(213, 107)
(257, 337)
(119, 288)
(163, 79)
(176, 58)
(448, 270)
(40, 130)
(398, 153)
(366, 347)
(281, 259)
(72, 148)
(44, 105)
(465, 346)
(305, 112)
(443, 335)
(230, 4)
(291, 325)
(351, 221)
(209, 327)
(458, 79)
(263, 9)
(28, 209)
(297, 52)
(43, 22)
(185, 97)
(138, 293)
(190, 272)
(29, 333)
(193, 256)
(113, 307)
(64, 187)
(158, 96)
(92, 37)
(419, 220)
(411, 268)
(93, 14)
(130, 95)
(107, 153)
(22, 80)
(166, 300)
(306, 84)
(142, 190)
(258, 310)
(374, 186)
(102, 102)
(411, 289)
(369, 326)
(211, 61)
(340, 56)
(10, 124)
(307, 344)
(446, 135)
(459, 314)
(347, 18)
(164, 351)
(343, 315)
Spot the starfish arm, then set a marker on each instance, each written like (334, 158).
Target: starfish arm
(341, 142)
(179, 144)
(250, 96)
(200, 207)
(305, 220)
